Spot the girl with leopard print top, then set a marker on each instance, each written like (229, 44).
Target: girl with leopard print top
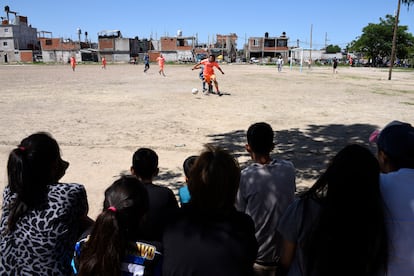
(41, 218)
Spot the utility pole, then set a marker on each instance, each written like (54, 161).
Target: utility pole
(326, 41)
(310, 51)
(79, 37)
(394, 40)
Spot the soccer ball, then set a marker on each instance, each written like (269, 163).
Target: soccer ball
(194, 91)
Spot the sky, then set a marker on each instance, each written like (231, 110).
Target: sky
(319, 22)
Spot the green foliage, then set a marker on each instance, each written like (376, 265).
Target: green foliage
(376, 40)
(333, 49)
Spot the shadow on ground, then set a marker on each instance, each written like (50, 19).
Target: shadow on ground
(310, 149)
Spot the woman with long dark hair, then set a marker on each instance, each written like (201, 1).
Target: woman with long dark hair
(41, 218)
(337, 227)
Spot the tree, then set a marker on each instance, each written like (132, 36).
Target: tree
(333, 49)
(394, 39)
(376, 41)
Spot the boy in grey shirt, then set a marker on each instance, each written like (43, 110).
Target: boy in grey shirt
(267, 188)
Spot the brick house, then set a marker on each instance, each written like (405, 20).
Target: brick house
(225, 46)
(113, 46)
(268, 47)
(58, 49)
(179, 48)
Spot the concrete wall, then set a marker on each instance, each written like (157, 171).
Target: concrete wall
(122, 44)
(185, 55)
(60, 56)
(315, 54)
(121, 57)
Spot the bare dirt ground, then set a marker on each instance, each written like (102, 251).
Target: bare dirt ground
(100, 117)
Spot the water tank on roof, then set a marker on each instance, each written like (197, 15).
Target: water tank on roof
(266, 35)
(179, 33)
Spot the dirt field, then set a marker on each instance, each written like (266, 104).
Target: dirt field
(100, 117)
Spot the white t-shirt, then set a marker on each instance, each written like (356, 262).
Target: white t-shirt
(397, 189)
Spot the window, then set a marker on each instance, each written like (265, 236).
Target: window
(282, 43)
(180, 42)
(5, 43)
(269, 43)
(6, 30)
(48, 42)
(255, 42)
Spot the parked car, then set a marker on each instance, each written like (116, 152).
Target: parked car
(254, 60)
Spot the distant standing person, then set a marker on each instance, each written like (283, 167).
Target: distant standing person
(161, 63)
(279, 63)
(208, 72)
(73, 63)
(103, 63)
(146, 63)
(350, 61)
(335, 65)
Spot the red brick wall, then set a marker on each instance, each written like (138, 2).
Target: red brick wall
(106, 44)
(153, 56)
(53, 46)
(58, 45)
(26, 56)
(168, 44)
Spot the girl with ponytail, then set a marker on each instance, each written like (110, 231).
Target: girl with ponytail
(114, 246)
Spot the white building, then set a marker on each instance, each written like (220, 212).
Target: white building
(18, 40)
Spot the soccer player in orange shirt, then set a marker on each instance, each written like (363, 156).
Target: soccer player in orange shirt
(103, 63)
(73, 62)
(208, 72)
(161, 62)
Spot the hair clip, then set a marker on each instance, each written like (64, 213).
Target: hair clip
(112, 208)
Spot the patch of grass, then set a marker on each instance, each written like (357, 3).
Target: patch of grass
(404, 91)
(382, 92)
(390, 92)
(354, 77)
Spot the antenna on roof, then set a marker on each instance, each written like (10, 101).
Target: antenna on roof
(7, 11)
